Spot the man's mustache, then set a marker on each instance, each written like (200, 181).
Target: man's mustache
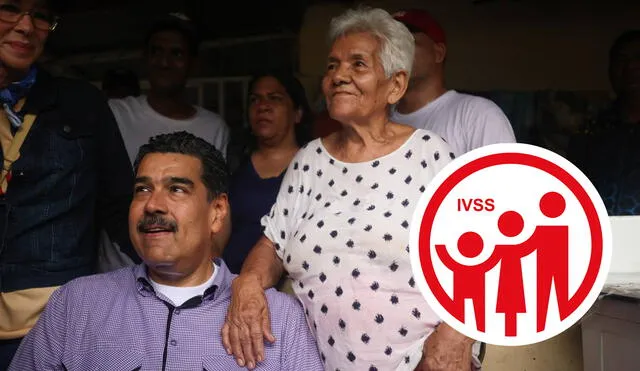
(156, 221)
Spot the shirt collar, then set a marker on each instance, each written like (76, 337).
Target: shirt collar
(219, 286)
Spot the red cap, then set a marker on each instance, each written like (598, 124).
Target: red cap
(421, 20)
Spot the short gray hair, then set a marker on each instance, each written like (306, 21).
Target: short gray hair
(397, 44)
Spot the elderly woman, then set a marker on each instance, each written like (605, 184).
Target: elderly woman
(340, 224)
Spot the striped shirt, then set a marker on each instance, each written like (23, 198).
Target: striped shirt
(116, 321)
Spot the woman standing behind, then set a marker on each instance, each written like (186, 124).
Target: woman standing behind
(279, 117)
(340, 223)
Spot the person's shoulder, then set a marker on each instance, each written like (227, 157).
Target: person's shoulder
(308, 150)
(81, 92)
(205, 114)
(98, 285)
(477, 104)
(311, 146)
(71, 83)
(126, 103)
(425, 136)
(429, 142)
(282, 302)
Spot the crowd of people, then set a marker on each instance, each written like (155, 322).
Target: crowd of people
(128, 244)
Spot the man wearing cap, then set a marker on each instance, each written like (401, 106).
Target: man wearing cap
(465, 121)
(170, 52)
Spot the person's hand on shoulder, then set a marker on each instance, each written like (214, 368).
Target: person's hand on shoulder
(248, 322)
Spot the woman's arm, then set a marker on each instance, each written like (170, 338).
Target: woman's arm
(263, 264)
(248, 321)
(446, 350)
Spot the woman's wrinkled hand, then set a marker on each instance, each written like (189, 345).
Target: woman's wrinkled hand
(248, 322)
(446, 350)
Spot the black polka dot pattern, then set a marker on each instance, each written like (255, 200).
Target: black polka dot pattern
(342, 232)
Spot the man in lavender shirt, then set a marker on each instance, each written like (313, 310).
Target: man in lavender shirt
(165, 313)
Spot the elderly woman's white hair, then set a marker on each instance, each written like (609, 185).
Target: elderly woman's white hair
(397, 44)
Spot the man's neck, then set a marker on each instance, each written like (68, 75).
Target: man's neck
(178, 279)
(172, 105)
(420, 94)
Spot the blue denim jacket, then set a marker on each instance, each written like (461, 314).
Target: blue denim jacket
(73, 177)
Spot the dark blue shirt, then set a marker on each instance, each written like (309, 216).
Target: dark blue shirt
(250, 197)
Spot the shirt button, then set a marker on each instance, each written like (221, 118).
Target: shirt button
(173, 342)
(66, 129)
(176, 312)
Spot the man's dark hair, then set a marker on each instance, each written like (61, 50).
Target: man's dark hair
(174, 23)
(622, 40)
(215, 174)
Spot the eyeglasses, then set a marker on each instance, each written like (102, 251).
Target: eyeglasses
(42, 20)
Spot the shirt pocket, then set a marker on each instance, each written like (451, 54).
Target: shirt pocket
(217, 359)
(70, 145)
(106, 357)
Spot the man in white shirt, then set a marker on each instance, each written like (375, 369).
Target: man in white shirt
(171, 48)
(465, 121)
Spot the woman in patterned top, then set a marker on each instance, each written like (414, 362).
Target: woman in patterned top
(340, 224)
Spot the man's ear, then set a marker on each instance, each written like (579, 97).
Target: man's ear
(399, 82)
(219, 210)
(440, 51)
(220, 224)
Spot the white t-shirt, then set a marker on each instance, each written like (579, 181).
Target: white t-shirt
(138, 122)
(465, 121)
(342, 232)
(179, 295)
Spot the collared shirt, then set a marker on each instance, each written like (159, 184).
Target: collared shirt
(179, 295)
(116, 321)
